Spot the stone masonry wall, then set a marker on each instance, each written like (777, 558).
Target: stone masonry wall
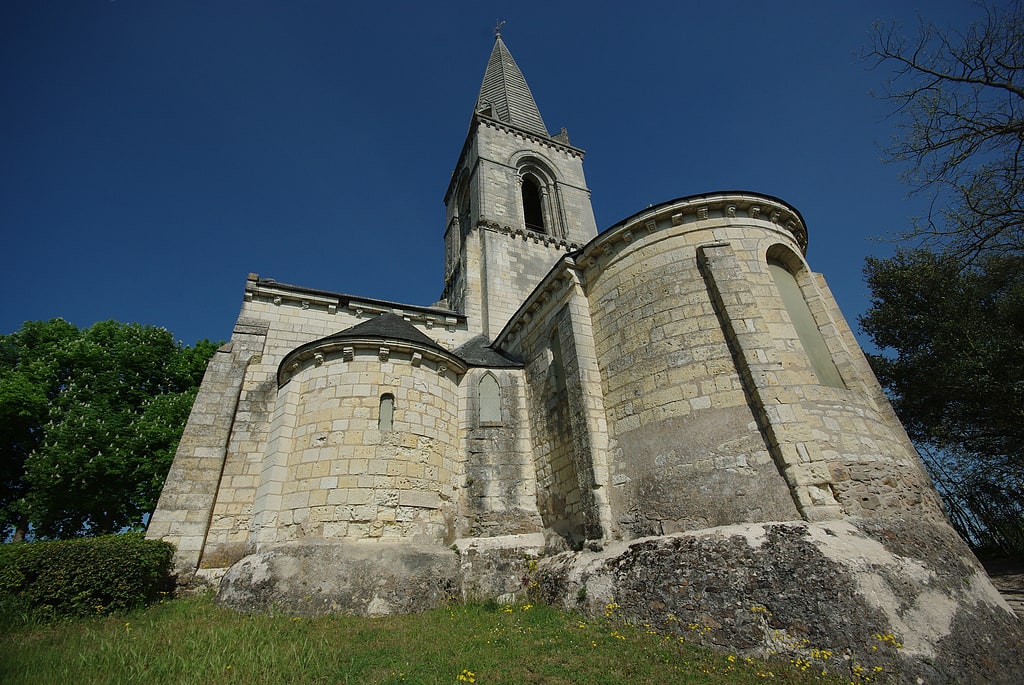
(838, 448)
(501, 261)
(559, 477)
(728, 348)
(513, 264)
(333, 473)
(500, 494)
(288, 318)
(855, 476)
(288, 326)
(566, 408)
(502, 151)
(183, 512)
(686, 452)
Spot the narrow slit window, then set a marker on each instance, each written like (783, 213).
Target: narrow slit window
(464, 211)
(386, 417)
(557, 370)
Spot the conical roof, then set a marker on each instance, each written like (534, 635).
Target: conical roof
(505, 92)
(387, 326)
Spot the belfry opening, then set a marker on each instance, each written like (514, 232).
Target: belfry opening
(533, 208)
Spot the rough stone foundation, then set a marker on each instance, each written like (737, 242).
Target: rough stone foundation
(903, 595)
(367, 578)
(363, 578)
(849, 590)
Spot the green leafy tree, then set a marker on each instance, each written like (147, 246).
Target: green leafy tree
(90, 422)
(29, 378)
(952, 362)
(953, 358)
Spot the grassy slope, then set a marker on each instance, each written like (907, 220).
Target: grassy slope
(194, 641)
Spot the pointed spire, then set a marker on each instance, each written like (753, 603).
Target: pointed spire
(504, 91)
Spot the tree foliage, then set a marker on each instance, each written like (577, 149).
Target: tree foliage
(948, 313)
(985, 506)
(953, 365)
(957, 375)
(959, 100)
(89, 422)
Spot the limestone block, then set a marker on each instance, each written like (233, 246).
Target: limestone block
(419, 498)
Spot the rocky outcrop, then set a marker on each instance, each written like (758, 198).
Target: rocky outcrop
(897, 597)
(363, 578)
(368, 578)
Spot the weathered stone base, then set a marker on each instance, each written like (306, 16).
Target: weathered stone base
(369, 578)
(905, 596)
(854, 588)
(497, 567)
(362, 578)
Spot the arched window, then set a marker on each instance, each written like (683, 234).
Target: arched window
(386, 417)
(533, 208)
(490, 399)
(803, 321)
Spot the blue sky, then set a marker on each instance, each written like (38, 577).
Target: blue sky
(152, 153)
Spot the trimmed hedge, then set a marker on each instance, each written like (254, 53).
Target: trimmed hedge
(86, 576)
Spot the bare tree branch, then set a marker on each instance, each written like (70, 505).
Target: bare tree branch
(959, 102)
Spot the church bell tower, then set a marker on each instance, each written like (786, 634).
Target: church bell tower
(517, 201)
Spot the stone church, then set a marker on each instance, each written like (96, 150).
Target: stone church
(681, 375)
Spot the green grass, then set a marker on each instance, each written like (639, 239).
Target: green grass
(192, 640)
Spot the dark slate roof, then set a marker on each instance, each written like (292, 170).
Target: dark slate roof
(387, 326)
(504, 89)
(478, 352)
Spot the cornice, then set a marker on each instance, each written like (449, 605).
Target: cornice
(507, 128)
(696, 212)
(342, 347)
(728, 206)
(527, 235)
(308, 298)
(546, 141)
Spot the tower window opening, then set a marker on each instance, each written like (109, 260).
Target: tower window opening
(386, 417)
(533, 209)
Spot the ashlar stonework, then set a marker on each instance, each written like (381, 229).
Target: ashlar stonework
(676, 398)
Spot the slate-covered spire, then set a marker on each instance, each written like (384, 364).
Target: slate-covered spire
(505, 94)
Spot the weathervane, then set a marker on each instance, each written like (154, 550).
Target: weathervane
(497, 29)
